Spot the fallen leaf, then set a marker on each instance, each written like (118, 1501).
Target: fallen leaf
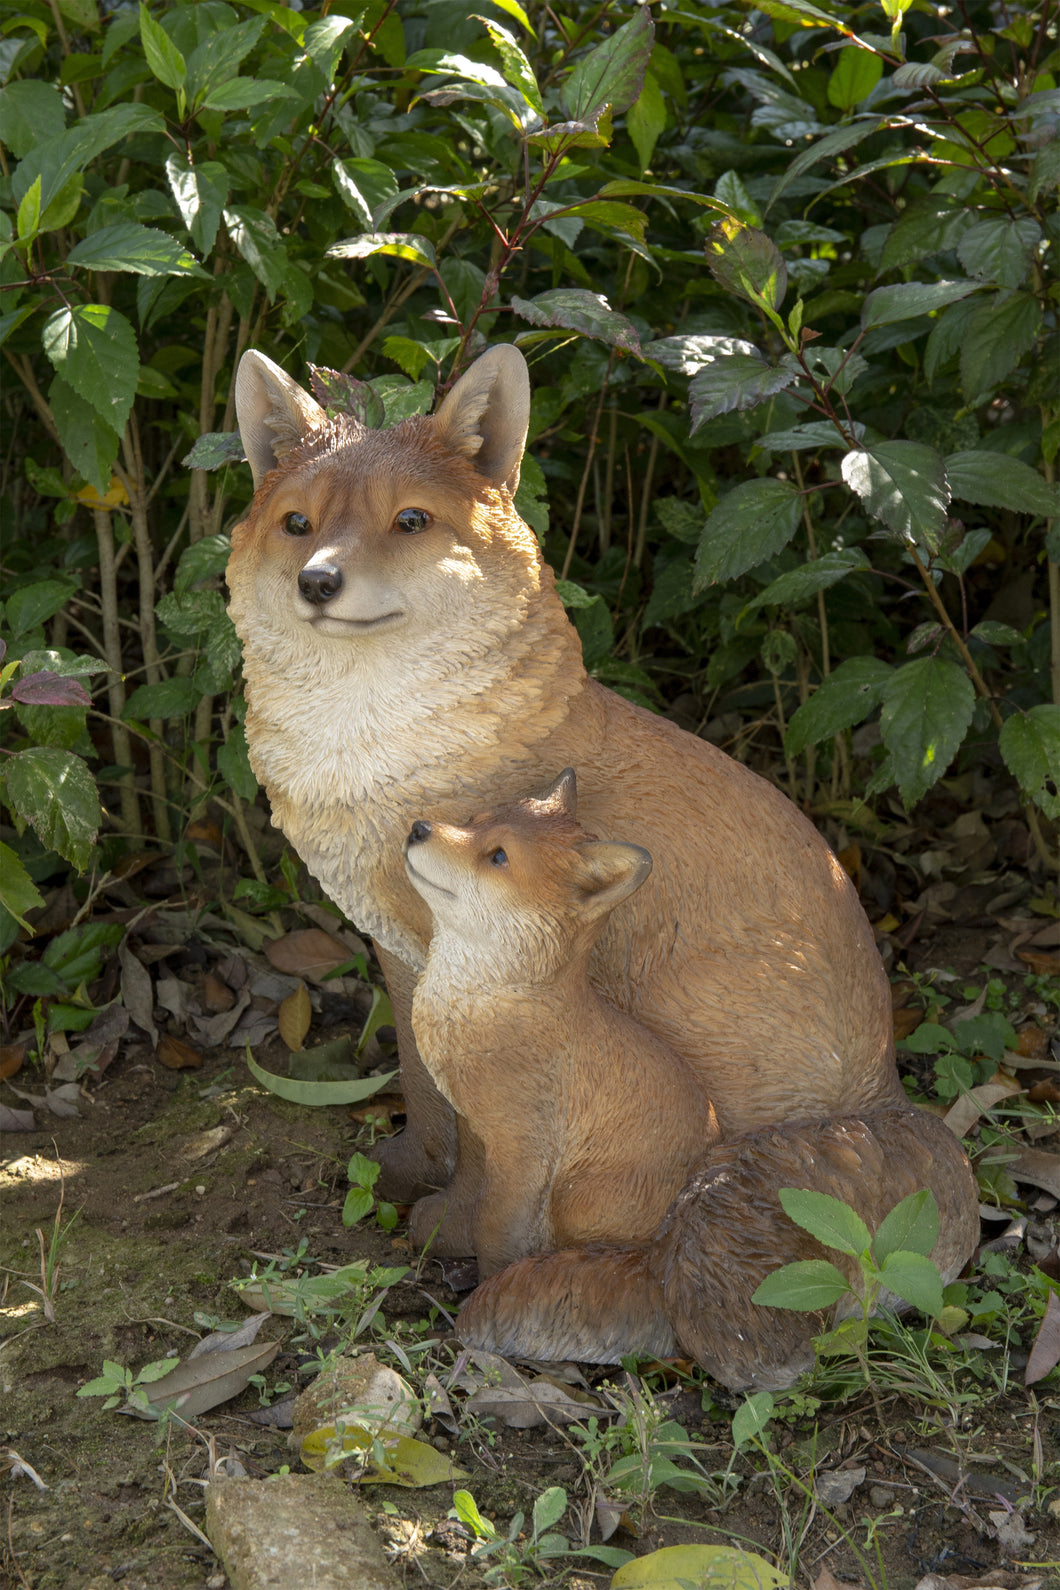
(720, 1567)
(833, 1486)
(308, 952)
(1038, 1167)
(1013, 1536)
(200, 1144)
(1032, 1041)
(199, 1384)
(11, 1057)
(216, 994)
(177, 1055)
(1045, 1354)
(383, 1109)
(16, 1120)
(137, 991)
(965, 1111)
(212, 1030)
(317, 1093)
(174, 995)
(522, 1404)
(826, 1580)
(1041, 962)
(205, 832)
(227, 1341)
(406, 1461)
(906, 1020)
(610, 1515)
(294, 1017)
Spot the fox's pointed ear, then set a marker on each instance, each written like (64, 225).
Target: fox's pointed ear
(273, 413)
(560, 796)
(611, 871)
(487, 414)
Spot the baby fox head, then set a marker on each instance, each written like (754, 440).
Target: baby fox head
(521, 891)
(356, 534)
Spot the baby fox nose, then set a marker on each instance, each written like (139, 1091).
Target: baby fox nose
(419, 832)
(319, 582)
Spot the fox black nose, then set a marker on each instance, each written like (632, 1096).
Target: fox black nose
(319, 582)
(419, 832)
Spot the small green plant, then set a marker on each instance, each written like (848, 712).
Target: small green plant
(631, 1457)
(360, 1200)
(116, 1383)
(516, 1556)
(895, 1260)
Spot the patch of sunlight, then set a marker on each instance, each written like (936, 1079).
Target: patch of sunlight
(17, 1311)
(34, 1167)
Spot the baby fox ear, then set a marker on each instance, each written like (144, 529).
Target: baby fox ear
(560, 796)
(611, 870)
(273, 413)
(487, 414)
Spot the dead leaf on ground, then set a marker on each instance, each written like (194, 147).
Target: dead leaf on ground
(295, 1017)
(61, 1101)
(174, 995)
(1032, 1041)
(137, 991)
(1038, 1167)
(11, 1057)
(1041, 962)
(16, 1120)
(826, 1580)
(385, 1107)
(309, 952)
(503, 1393)
(216, 994)
(906, 1020)
(1045, 1354)
(989, 1579)
(227, 1341)
(200, 1144)
(177, 1055)
(965, 1111)
(1013, 1536)
(213, 1030)
(833, 1486)
(199, 1384)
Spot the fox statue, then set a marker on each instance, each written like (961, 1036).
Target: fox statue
(406, 652)
(579, 1129)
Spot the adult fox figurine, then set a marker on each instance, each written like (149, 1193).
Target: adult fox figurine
(405, 652)
(583, 1142)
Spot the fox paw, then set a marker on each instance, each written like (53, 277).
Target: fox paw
(409, 1168)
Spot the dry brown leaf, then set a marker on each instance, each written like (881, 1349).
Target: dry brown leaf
(1040, 1168)
(309, 953)
(965, 1111)
(295, 1016)
(178, 1056)
(1041, 962)
(1044, 1093)
(204, 832)
(16, 1120)
(384, 1107)
(216, 994)
(850, 861)
(1032, 1041)
(826, 1580)
(11, 1057)
(202, 1383)
(906, 1020)
(1045, 1354)
(137, 991)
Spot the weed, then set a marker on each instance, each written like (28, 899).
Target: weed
(360, 1200)
(516, 1557)
(116, 1383)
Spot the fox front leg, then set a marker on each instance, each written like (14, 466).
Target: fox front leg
(420, 1159)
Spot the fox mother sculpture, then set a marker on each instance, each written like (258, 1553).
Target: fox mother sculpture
(406, 656)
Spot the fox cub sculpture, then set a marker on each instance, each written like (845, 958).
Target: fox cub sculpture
(577, 1127)
(405, 652)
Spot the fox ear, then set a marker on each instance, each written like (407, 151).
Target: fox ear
(273, 413)
(611, 871)
(559, 796)
(487, 414)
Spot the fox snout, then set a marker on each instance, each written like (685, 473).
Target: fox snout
(319, 582)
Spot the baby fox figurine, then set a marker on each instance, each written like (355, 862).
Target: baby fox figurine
(608, 1213)
(575, 1123)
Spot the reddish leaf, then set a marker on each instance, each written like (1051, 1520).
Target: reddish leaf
(178, 1056)
(309, 953)
(45, 689)
(11, 1058)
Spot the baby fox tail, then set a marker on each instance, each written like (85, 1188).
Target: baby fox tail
(593, 1305)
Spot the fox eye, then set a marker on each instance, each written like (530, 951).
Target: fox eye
(498, 859)
(296, 524)
(412, 520)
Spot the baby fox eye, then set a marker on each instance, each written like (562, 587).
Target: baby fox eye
(498, 859)
(412, 520)
(296, 524)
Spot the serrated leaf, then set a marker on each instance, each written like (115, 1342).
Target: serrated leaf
(214, 450)
(912, 1226)
(804, 1287)
(734, 381)
(400, 245)
(915, 1280)
(94, 349)
(846, 697)
(201, 192)
(993, 481)
(828, 1219)
(54, 791)
(163, 58)
(612, 74)
(714, 1567)
(1000, 249)
(817, 434)
(904, 485)
(18, 892)
(89, 441)
(927, 708)
(646, 120)
(853, 77)
(139, 250)
(797, 586)
(364, 185)
(255, 236)
(574, 309)
(170, 698)
(745, 261)
(905, 300)
(755, 521)
(30, 112)
(233, 764)
(44, 688)
(1002, 329)
(517, 69)
(33, 604)
(244, 93)
(1030, 745)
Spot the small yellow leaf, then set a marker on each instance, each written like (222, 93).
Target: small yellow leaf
(406, 1461)
(116, 496)
(712, 1567)
(295, 1015)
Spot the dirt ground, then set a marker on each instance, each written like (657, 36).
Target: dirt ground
(181, 1180)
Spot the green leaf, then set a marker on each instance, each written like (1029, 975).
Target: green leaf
(139, 250)
(359, 1202)
(59, 160)
(646, 120)
(93, 348)
(400, 245)
(794, 588)
(745, 261)
(732, 381)
(31, 606)
(905, 300)
(233, 764)
(89, 442)
(817, 434)
(517, 69)
(753, 522)
(847, 696)
(255, 236)
(914, 1279)
(911, 1226)
(1000, 249)
(54, 791)
(751, 1418)
(30, 113)
(1030, 745)
(929, 1038)
(803, 1287)
(363, 185)
(832, 143)
(991, 481)
(926, 227)
(389, 1460)
(170, 698)
(296, 1092)
(927, 708)
(904, 484)
(202, 560)
(574, 309)
(853, 77)
(162, 56)
(201, 192)
(997, 336)
(214, 450)
(828, 1219)
(613, 73)
(18, 892)
(549, 1508)
(716, 1567)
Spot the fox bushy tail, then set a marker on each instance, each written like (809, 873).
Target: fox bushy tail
(688, 1290)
